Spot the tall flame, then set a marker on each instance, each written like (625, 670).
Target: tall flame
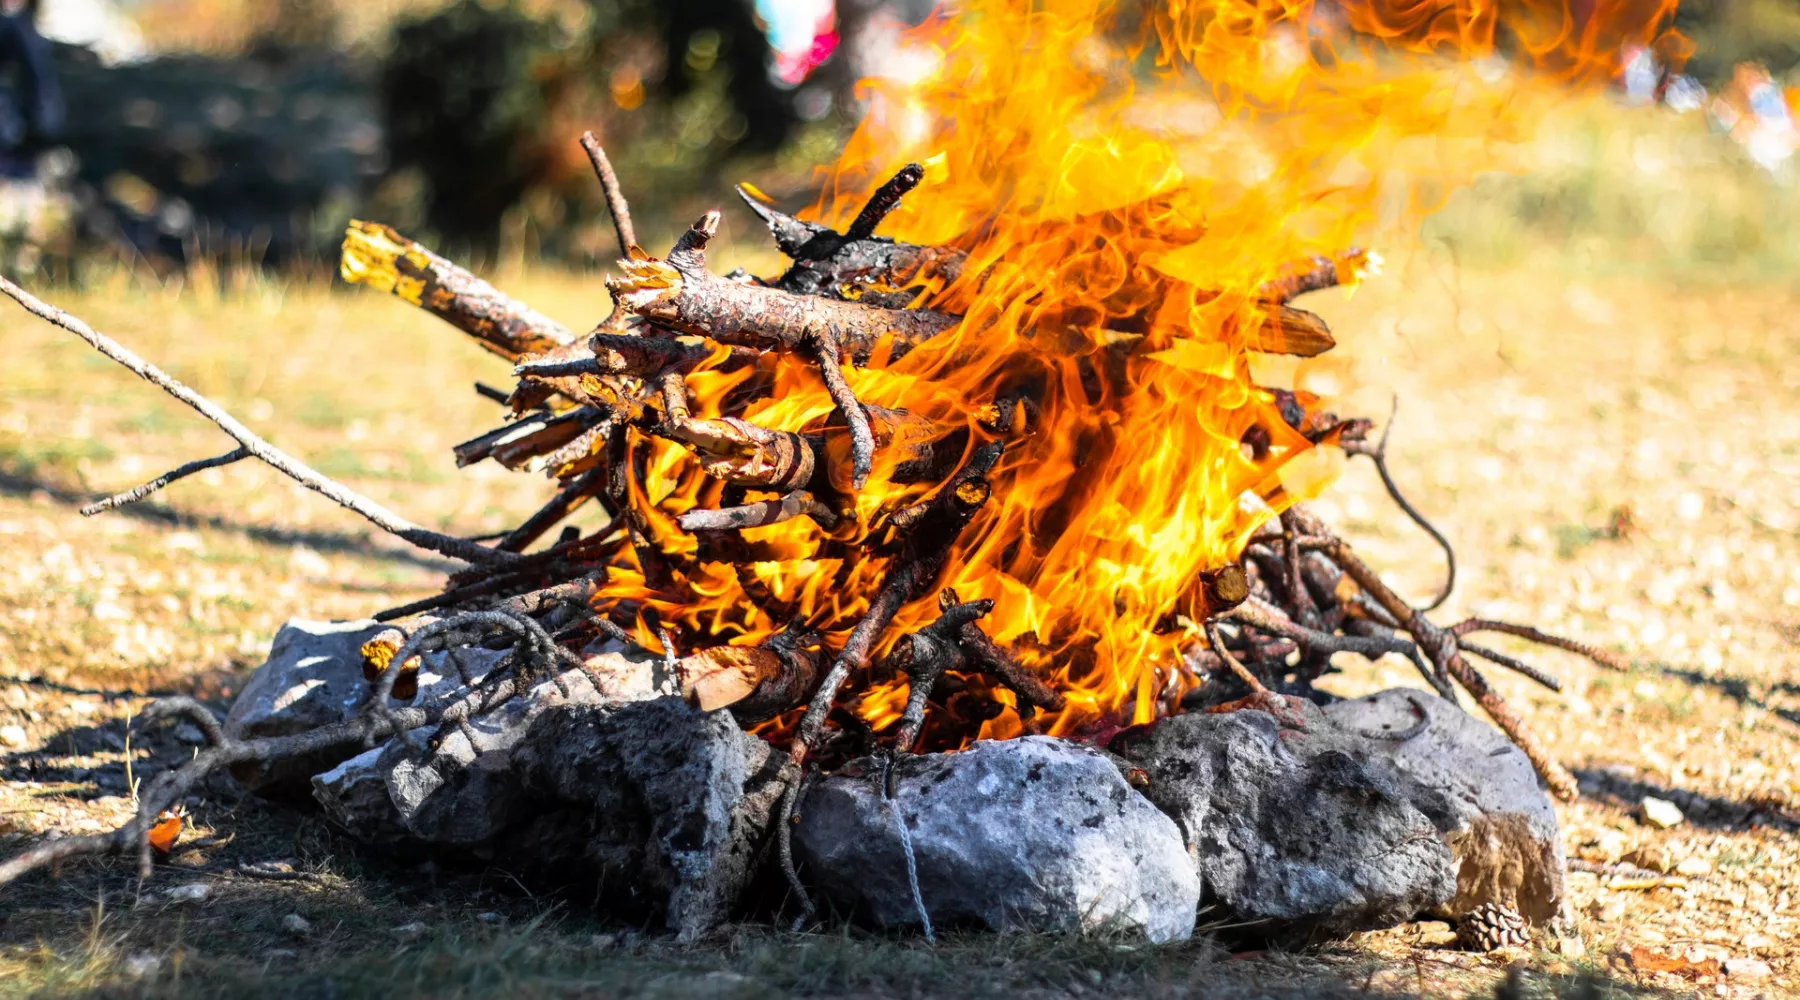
(1123, 183)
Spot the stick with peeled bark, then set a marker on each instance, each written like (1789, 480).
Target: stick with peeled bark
(263, 451)
(378, 256)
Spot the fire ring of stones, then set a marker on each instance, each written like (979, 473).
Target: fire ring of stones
(754, 691)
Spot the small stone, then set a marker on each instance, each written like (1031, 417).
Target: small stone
(1747, 970)
(296, 925)
(142, 965)
(190, 734)
(603, 942)
(193, 892)
(278, 953)
(1694, 867)
(409, 932)
(12, 736)
(1571, 947)
(1661, 813)
(1652, 858)
(490, 918)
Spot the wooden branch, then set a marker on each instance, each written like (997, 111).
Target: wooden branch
(885, 199)
(615, 195)
(263, 451)
(926, 654)
(1319, 272)
(181, 472)
(1526, 632)
(760, 513)
(734, 450)
(915, 569)
(378, 256)
(681, 295)
(756, 682)
(1441, 646)
(585, 486)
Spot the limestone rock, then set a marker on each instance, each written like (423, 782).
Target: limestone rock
(665, 807)
(1034, 832)
(314, 677)
(1480, 791)
(1290, 822)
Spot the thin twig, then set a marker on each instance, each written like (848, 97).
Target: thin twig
(1595, 653)
(1378, 455)
(295, 469)
(1237, 667)
(1516, 666)
(182, 472)
(615, 195)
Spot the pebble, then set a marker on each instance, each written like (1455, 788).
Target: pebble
(408, 932)
(489, 918)
(1747, 970)
(296, 925)
(279, 953)
(193, 892)
(12, 736)
(1661, 813)
(1694, 867)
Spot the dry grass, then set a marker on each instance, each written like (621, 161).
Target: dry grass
(1618, 457)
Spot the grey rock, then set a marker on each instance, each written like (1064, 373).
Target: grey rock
(1478, 789)
(1292, 822)
(1029, 833)
(461, 791)
(313, 677)
(664, 807)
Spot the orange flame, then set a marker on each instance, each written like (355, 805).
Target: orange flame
(1122, 192)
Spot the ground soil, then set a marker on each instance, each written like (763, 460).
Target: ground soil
(1614, 458)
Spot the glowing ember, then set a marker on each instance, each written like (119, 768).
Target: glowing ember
(1123, 194)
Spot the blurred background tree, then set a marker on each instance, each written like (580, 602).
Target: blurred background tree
(257, 128)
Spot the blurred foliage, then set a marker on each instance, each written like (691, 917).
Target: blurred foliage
(1617, 189)
(1727, 32)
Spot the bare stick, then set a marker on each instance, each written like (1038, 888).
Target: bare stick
(263, 451)
(134, 495)
(1517, 666)
(885, 199)
(1526, 632)
(1237, 667)
(862, 437)
(615, 196)
(1441, 646)
(760, 513)
(1378, 455)
(172, 785)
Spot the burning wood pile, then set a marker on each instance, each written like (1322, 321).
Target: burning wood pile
(1010, 481)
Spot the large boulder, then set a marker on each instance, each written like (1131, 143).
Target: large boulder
(1292, 822)
(661, 808)
(1478, 789)
(1028, 833)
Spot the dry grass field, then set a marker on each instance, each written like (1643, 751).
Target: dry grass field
(1614, 450)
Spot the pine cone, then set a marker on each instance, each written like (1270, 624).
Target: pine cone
(1490, 926)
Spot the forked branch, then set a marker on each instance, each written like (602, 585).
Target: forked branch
(293, 468)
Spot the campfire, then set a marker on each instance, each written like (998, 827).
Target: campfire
(988, 457)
